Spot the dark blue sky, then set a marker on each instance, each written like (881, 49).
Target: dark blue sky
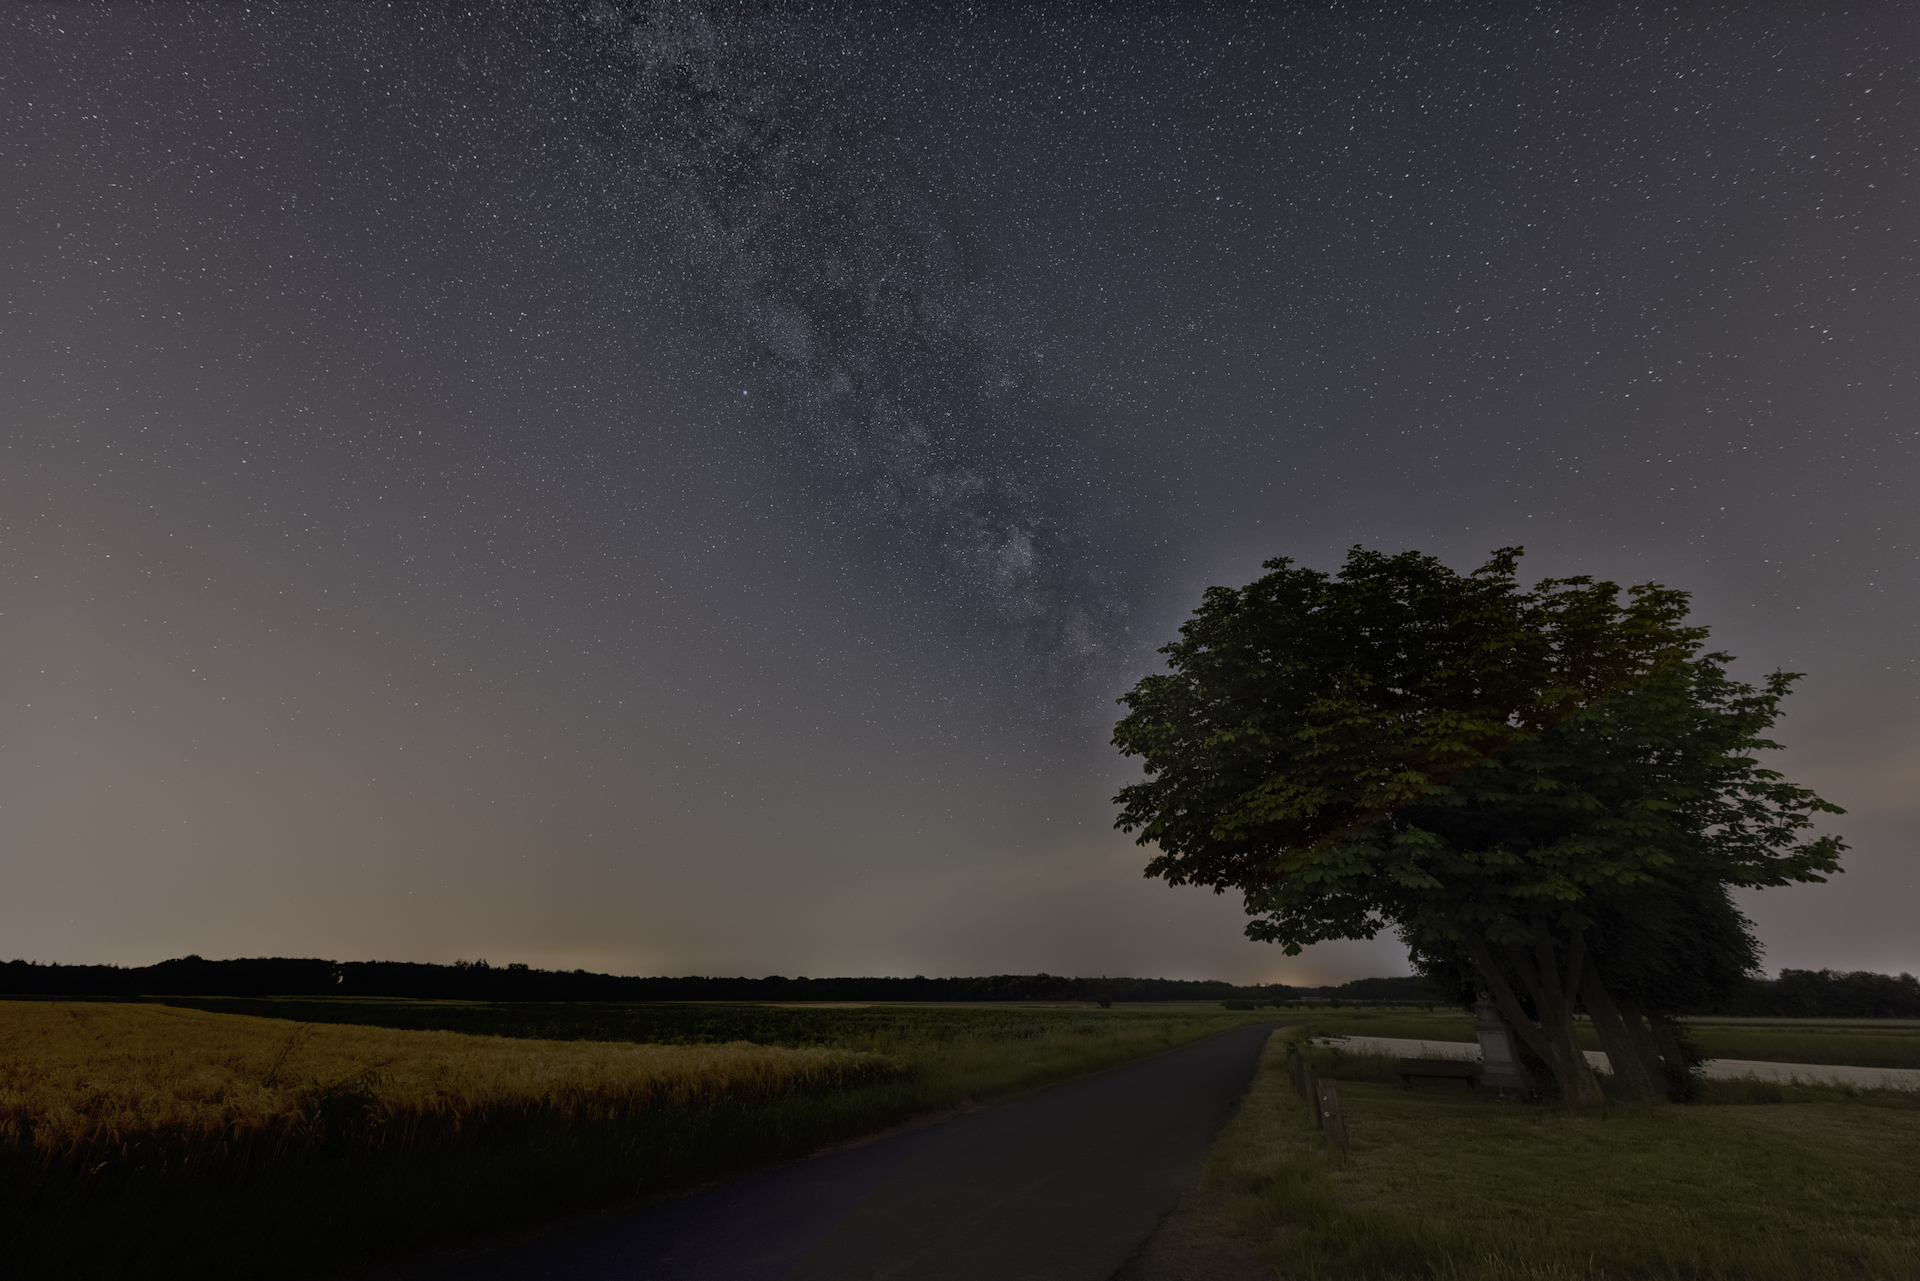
(678, 488)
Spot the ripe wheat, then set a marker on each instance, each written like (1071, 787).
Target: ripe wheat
(88, 1077)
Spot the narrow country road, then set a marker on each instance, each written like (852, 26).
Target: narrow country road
(1061, 1185)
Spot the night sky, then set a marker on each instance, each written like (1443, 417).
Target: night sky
(678, 489)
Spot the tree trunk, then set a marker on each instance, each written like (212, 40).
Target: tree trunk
(1636, 1075)
(1662, 1036)
(1549, 989)
(1552, 1037)
(1641, 1033)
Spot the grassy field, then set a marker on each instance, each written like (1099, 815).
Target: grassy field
(1855, 1042)
(882, 1028)
(885, 1028)
(155, 1140)
(1891, 1043)
(1810, 1185)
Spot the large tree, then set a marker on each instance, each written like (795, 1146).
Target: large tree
(1548, 782)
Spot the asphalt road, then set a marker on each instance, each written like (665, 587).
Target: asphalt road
(1060, 1185)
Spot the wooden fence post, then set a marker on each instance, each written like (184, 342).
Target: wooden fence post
(1333, 1120)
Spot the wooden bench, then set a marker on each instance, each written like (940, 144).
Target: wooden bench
(1462, 1070)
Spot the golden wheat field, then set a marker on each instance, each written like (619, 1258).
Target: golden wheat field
(75, 1075)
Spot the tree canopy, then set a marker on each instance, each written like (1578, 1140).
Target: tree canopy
(1552, 784)
(1304, 706)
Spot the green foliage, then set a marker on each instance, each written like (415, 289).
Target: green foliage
(1546, 792)
(1402, 744)
(1640, 806)
(1302, 708)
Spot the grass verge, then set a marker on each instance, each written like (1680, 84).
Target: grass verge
(218, 1151)
(1809, 1184)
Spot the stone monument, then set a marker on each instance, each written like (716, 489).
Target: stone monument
(1501, 1072)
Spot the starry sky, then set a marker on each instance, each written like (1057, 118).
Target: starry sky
(677, 488)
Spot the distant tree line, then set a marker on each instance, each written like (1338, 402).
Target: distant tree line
(1828, 994)
(1795, 994)
(480, 981)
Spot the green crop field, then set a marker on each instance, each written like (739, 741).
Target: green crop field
(1892, 1043)
(882, 1028)
(1813, 1185)
(1889, 1043)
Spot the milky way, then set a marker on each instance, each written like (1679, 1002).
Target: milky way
(835, 257)
(678, 486)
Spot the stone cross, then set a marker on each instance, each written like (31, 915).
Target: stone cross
(1500, 1068)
